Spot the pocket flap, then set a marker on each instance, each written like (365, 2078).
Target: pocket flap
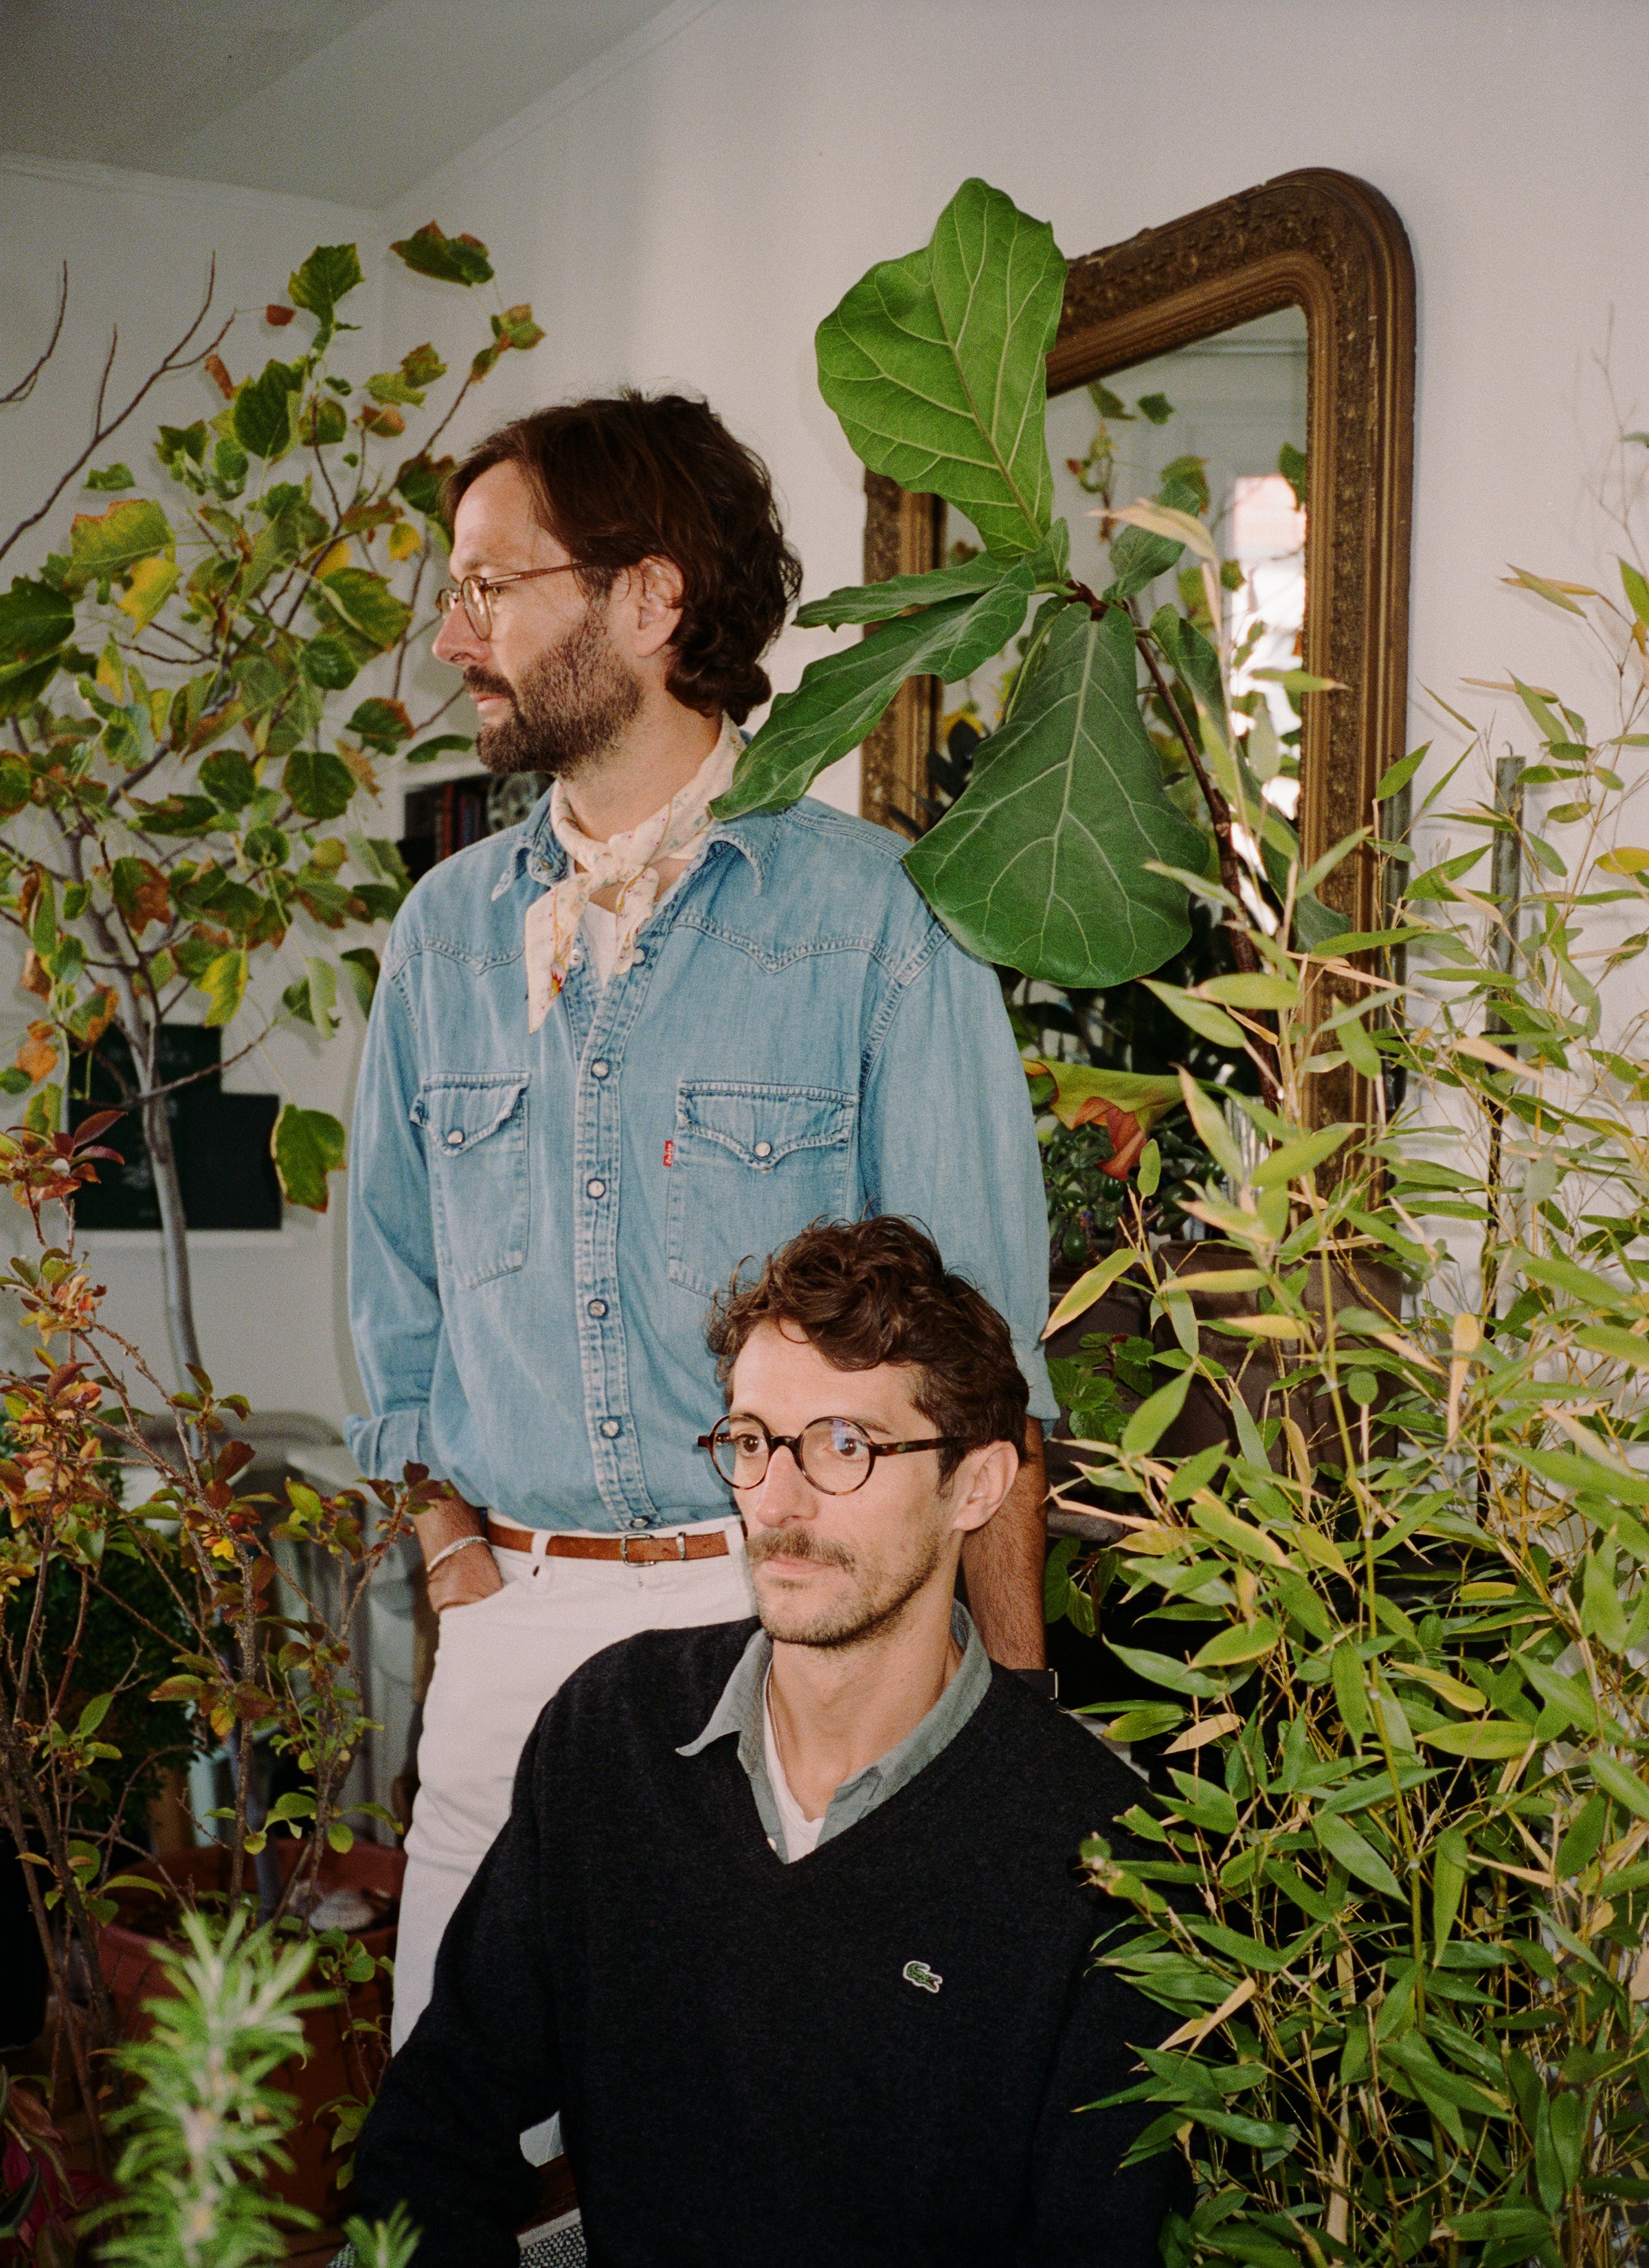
(456, 1112)
(763, 1126)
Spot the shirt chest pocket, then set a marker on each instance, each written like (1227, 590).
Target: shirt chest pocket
(474, 1133)
(750, 1166)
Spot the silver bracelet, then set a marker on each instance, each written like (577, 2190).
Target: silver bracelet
(447, 1550)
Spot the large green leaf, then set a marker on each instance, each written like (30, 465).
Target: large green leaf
(330, 272)
(878, 602)
(841, 695)
(1041, 863)
(34, 620)
(307, 1145)
(367, 604)
(935, 365)
(266, 408)
(104, 544)
(320, 785)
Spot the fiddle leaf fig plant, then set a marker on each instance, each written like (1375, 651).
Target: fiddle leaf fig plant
(198, 687)
(1065, 857)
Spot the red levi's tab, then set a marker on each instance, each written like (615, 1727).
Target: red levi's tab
(669, 1153)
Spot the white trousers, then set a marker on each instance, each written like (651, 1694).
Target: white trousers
(497, 1661)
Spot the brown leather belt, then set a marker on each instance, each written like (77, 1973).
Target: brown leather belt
(634, 1551)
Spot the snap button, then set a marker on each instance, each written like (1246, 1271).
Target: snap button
(609, 1428)
(639, 953)
(597, 1308)
(455, 1139)
(599, 1069)
(764, 1149)
(595, 1188)
(641, 1523)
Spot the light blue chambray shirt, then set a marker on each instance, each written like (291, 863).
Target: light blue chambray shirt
(539, 1220)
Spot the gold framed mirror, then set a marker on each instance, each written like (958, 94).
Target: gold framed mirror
(1332, 249)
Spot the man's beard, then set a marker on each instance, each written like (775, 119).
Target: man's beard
(570, 709)
(879, 1596)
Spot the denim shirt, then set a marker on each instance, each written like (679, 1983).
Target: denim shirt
(538, 1221)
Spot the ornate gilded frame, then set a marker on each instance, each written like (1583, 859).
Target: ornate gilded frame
(1329, 244)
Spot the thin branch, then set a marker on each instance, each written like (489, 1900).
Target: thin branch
(171, 366)
(25, 385)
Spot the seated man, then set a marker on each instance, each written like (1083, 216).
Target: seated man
(787, 1921)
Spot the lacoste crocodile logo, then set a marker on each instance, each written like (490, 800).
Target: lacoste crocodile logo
(917, 1972)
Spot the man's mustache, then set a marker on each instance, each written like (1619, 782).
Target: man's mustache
(795, 1542)
(480, 682)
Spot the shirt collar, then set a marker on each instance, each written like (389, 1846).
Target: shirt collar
(743, 1698)
(536, 851)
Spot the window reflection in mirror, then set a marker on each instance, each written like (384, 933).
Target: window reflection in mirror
(1228, 413)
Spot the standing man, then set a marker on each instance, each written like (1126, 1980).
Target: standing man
(614, 1052)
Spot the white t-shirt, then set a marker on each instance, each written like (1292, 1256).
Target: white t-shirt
(801, 1834)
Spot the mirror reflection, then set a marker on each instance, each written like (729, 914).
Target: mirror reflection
(1226, 416)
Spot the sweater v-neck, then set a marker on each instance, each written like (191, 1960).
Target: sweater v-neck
(890, 1818)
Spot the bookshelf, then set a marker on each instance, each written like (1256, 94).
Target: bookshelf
(449, 814)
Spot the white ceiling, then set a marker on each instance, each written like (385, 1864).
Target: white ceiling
(354, 100)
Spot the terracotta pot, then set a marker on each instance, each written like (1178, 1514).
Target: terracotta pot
(334, 2062)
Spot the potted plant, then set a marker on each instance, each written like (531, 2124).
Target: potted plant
(250, 1662)
(200, 684)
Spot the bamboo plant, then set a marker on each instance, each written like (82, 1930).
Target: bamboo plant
(1398, 1890)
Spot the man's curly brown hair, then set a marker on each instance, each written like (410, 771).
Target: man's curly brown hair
(632, 477)
(869, 1292)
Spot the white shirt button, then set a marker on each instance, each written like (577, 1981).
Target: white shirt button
(599, 1069)
(595, 1188)
(764, 1149)
(640, 1523)
(455, 1139)
(598, 1309)
(639, 953)
(609, 1428)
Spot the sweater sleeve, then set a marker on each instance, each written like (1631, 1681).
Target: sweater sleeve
(1084, 2204)
(483, 2064)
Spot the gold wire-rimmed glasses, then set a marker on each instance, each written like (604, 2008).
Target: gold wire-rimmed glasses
(475, 592)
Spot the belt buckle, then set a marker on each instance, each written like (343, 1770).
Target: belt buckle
(624, 1542)
(623, 1550)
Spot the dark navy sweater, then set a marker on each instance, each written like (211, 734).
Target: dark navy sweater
(880, 2054)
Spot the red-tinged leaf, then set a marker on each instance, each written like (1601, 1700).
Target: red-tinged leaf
(89, 1130)
(279, 316)
(178, 1688)
(250, 1703)
(232, 1458)
(65, 1374)
(215, 370)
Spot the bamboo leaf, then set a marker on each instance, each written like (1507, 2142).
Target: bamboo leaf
(1354, 1852)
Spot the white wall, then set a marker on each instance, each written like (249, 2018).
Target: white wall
(688, 209)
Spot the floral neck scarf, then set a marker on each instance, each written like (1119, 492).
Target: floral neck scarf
(630, 860)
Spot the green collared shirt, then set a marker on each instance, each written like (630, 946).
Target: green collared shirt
(744, 1701)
